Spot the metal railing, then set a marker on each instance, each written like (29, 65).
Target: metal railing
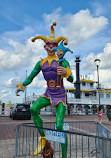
(90, 101)
(102, 131)
(84, 140)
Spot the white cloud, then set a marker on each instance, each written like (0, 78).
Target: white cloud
(98, 9)
(38, 83)
(20, 35)
(12, 82)
(103, 56)
(105, 78)
(4, 93)
(68, 84)
(77, 27)
(104, 68)
(21, 55)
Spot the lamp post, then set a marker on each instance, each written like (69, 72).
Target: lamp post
(97, 62)
(77, 84)
(25, 88)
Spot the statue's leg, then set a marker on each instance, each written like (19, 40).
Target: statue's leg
(39, 104)
(60, 113)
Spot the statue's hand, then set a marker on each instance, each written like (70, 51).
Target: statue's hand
(18, 90)
(61, 71)
(20, 87)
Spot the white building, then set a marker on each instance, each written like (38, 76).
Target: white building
(89, 97)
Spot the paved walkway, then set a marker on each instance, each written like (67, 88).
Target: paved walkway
(8, 126)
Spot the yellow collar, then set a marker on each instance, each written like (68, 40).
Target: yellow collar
(49, 59)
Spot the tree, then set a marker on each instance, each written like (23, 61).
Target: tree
(0, 102)
(10, 103)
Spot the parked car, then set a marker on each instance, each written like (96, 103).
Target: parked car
(20, 111)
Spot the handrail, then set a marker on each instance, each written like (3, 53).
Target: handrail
(78, 133)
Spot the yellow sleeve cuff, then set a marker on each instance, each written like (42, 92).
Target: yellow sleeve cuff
(68, 72)
(20, 85)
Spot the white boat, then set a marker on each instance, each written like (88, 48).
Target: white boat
(89, 97)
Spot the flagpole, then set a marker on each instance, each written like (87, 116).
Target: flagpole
(25, 88)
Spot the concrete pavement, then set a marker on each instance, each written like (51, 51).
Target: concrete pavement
(8, 126)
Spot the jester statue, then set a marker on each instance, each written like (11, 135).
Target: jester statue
(54, 95)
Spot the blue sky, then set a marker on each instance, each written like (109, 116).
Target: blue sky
(86, 24)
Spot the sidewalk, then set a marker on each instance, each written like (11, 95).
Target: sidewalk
(8, 126)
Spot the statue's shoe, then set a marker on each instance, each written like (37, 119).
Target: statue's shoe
(40, 146)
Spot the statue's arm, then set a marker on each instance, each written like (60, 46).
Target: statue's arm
(34, 72)
(69, 75)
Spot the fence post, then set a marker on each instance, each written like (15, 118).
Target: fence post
(16, 140)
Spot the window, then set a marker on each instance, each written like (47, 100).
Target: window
(101, 95)
(86, 94)
(91, 84)
(94, 94)
(83, 83)
(107, 95)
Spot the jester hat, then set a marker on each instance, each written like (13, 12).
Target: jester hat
(61, 46)
(52, 36)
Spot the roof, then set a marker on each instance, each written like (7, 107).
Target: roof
(104, 92)
(81, 90)
(84, 80)
(88, 90)
(70, 89)
(108, 89)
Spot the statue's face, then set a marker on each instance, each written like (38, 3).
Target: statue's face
(60, 53)
(50, 46)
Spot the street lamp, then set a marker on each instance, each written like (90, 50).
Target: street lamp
(77, 84)
(26, 88)
(97, 62)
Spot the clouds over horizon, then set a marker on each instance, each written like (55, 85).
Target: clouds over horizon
(4, 93)
(104, 68)
(78, 28)
(104, 56)
(20, 55)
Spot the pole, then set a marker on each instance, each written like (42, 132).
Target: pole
(25, 88)
(77, 84)
(98, 84)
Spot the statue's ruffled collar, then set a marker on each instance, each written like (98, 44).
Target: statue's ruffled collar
(49, 59)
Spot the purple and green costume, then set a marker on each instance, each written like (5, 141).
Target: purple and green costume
(53, 95)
